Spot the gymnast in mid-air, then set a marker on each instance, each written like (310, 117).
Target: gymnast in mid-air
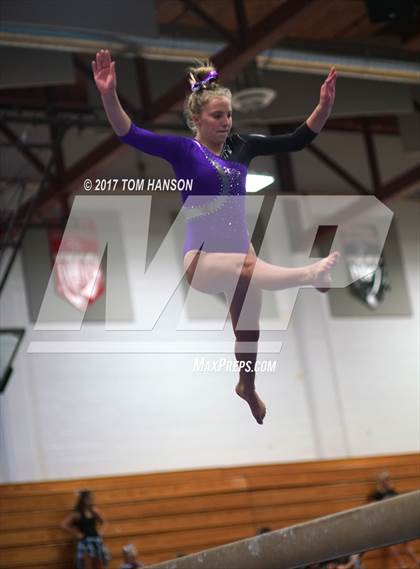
(218, 254)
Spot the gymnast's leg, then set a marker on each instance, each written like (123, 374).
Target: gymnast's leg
(247, 336)
(233, 274)
(219, 272)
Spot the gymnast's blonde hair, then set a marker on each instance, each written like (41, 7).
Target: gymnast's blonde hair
(196, 100)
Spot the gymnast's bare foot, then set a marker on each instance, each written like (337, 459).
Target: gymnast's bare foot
(255, 403)
(319, 272)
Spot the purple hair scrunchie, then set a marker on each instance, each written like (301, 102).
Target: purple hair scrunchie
(198, 85)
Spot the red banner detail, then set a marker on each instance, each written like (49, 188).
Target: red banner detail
(77, 267)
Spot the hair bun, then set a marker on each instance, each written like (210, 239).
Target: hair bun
(203, 79)
(202, 76)
(206, 83)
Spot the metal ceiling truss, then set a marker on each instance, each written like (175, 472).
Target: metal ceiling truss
(12, 236)
(229, 60)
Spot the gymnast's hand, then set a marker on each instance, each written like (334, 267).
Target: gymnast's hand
(104, 73)
(327, 95)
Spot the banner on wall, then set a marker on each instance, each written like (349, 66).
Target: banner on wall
(78, 275)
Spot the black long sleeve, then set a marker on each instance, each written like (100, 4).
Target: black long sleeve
(244, 147)
(261, 145)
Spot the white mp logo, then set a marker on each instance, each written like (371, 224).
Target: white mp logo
(169, 317)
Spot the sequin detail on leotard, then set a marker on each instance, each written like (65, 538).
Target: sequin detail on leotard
(193, 208)
(216, 222)
(218, 194)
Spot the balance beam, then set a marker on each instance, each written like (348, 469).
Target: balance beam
(373, 526)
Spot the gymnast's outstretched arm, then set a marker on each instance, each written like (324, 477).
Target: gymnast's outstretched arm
(171, 148)
(106, 81)
(259, 145)
(319, 117)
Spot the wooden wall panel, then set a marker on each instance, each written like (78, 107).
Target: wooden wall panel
(167, 513)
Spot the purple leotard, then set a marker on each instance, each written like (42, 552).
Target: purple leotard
(215, 208)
